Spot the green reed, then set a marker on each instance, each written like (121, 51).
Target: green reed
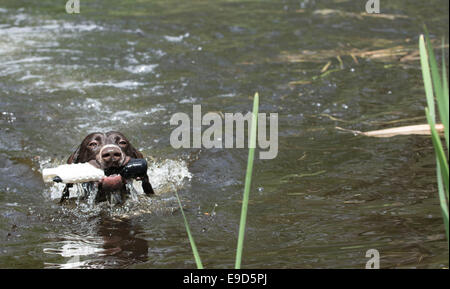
(198, 261)
(248, 181)
(435, 87)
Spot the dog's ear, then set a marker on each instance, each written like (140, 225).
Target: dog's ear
(134, 153)
(73, 159)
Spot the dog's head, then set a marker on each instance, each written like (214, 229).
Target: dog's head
(104, 150)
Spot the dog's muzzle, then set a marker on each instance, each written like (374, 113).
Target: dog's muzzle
(111, 156)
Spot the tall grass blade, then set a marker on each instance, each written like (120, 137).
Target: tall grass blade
(439, 151)
(441, 94)
(435, 77)
(248, 180)
(198, 261)
(445, 92)
(427, 78)
(443, 203)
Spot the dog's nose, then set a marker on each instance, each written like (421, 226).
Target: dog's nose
(111, 154)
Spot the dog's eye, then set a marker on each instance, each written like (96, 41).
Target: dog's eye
(92, 144)
(122, 142)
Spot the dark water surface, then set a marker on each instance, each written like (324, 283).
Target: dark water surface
(326, 199)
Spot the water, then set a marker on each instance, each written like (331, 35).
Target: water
(324, 201)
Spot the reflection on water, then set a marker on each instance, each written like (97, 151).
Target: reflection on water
(112, 238)
(73, 248)
(327, 197)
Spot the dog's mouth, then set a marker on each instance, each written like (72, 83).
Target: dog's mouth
(112, 183)
(115, 168)
(116, 176)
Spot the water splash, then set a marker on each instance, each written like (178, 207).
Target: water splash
(165, 176)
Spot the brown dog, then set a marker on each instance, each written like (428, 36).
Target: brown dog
(107, 151)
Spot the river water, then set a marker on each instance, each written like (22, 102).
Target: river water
(328, 196)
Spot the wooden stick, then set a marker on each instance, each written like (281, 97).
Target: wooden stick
(421, 129)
